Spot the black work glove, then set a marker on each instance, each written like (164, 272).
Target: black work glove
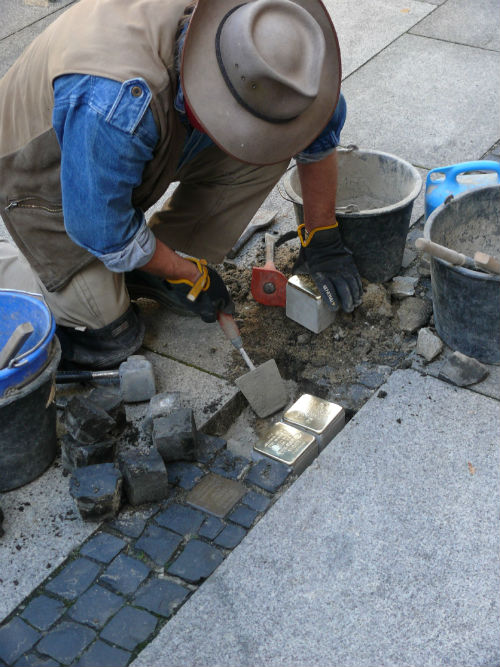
(206, 297)
(323, 255)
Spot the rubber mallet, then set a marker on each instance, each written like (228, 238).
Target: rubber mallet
(136, 377)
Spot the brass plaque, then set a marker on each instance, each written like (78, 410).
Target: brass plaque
(313, 413)
(286, 443)
(216, 495)
(305, 284)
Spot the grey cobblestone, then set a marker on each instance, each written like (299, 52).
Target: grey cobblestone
(33, 660)
(158, 543)
(230, 537)
(66, 641)
(228, 465)
(160, 596)
(131, 526)
(103, 547)
(208, 447)
(42, 612)
(184, 475)
(211, 527)
(125, 574)
(180, 519)
(74, 579)
(101, 654)
(96, 606)
(257, 501)
(129, 628)
(268, 475)
(196, 562)
(16, 637)
(244, 516)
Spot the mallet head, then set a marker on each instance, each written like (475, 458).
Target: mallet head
(137, 380)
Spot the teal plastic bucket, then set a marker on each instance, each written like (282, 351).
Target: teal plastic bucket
(17, 307)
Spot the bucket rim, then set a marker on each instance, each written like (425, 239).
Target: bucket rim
(403, 203)
(470, 273)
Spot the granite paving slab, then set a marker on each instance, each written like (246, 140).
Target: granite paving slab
(426, 108)
(17, 15)
(42, 526)
(384, 552)
(472, 22)
(389, 19)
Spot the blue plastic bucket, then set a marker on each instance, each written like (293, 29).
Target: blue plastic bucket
(17, 307)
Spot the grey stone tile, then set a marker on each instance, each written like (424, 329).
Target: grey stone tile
(96, 606)
(464, 22)
(256, 501)
(158, 543)
(73, 579)
(66, 641)
(103, 547)
(244, 516)
(124, 574)
(16, 15)
(424, 109)
(33, 660)
(180, 519)
(101, 654)
(16, 637)
(130, 525)
(388, 20)
(211, 527)
(197, 562)
(42, 612)
(160, 596)
(129, 628)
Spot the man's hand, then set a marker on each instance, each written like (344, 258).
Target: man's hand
(205, 296)
(331, 266)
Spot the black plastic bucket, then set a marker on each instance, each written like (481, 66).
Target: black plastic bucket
(28, 439)
(375, 195)
(466, 302)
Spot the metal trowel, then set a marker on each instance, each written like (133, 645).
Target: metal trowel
(263, 386)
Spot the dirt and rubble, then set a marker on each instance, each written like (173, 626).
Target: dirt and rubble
(344, 359)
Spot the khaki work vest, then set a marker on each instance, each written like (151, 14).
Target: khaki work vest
(117, 39)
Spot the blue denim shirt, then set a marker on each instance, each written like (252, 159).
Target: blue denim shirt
(107, 135)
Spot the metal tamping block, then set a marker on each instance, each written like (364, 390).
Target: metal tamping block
(316, 416)
(289, 445)
(305, 305)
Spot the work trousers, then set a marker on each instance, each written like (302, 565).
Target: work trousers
(214, 200)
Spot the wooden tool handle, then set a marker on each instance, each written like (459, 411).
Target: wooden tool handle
(487, 263)
(449, 255)
(270, 243)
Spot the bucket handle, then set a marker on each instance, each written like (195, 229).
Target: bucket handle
(20, 360)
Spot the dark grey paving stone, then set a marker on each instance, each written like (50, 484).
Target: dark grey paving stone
(33, 660)
(125, 574)
(103, 547)
(160, 596)
(42, 612)
(16, 638)
(197, 562)
(131, 526)
(180, 519)
(211, 527)
(129, 628)
(158, 543)
(257, 501)
(230, 536)
(101, 654)
(208, 447)
(268, 475)
(66, 641)
(244, 516)
(229, 465)
(74, 579)
(184, 475)
(96, 606)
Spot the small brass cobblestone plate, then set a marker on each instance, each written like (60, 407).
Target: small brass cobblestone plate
(305, 305)
(216, 495)
(289, 445)
(317, 416)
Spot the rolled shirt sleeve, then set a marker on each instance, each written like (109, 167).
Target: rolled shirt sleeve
(107, 135)
(329, 138)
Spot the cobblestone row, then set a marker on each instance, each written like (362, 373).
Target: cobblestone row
(115, 592)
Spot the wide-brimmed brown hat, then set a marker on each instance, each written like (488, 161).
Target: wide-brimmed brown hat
(262, 78)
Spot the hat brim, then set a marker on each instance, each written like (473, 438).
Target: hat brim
(234, 129)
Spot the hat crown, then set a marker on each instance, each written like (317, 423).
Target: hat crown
(271, 53)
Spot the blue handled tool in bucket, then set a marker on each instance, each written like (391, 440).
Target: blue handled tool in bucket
(17, 308)
(443, 182)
